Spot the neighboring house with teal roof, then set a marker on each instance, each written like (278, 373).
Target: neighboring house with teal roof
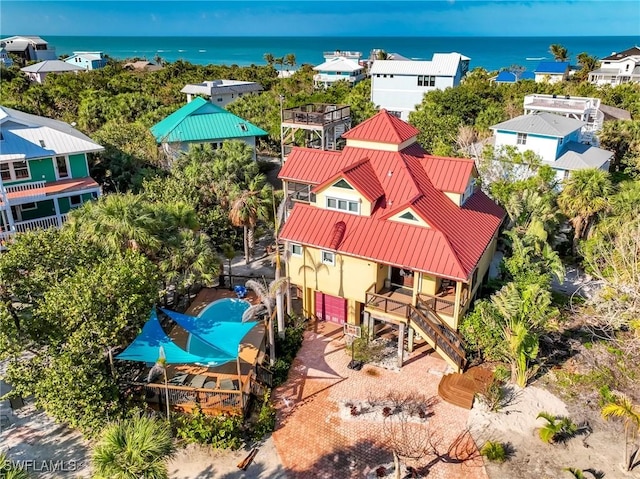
(201, 122)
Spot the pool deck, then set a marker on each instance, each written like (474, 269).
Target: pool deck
(251, 352)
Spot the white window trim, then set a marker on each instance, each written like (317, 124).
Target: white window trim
(71, 205)
(331, 262)
(291, 246)
(55, 167)
(24, 208)
(12, 173)
(523, 136)
(336, 199)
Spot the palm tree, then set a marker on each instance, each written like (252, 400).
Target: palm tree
(190, 259)
(229, 252)
(585, 194)
(588, 63)
(267, 295)
(556, 428)
(279, 216)
(160, 367)
(269, 58)
(136, 448)
(622, 407)
(560, 53)
(8, 470)
(247, 207)
(118, 222)
(382, 55)
(290, 59)
(279, 61)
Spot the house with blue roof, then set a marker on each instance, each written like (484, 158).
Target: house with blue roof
(507, 76)
(552, 72)
(201, 122)
(556, 139)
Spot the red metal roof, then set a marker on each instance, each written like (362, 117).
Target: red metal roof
(382, 128)
(448, 174)
(361, 176)
(456, 237)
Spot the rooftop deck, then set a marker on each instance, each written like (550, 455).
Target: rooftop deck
(316, 114)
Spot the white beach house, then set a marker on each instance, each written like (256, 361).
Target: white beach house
(398, 86)
(221, 92)
(555, 138)
(339, 66)
(617, 68)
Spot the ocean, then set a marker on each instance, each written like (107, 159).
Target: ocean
(491, 53)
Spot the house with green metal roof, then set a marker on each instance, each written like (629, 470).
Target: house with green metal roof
(201, 122)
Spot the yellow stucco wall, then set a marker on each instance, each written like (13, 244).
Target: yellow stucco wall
(345, 194)
(374, 145)
(350, 278)
(430, 284)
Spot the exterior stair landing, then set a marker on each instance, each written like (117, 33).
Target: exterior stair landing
(459, 389)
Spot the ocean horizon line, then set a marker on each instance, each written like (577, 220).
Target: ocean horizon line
(332, 36)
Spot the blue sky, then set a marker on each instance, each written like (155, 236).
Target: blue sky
(327, 18)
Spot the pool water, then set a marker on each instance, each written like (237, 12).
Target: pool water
(226, 309)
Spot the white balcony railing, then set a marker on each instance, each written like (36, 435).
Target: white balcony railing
(26, 191)
(40, 223)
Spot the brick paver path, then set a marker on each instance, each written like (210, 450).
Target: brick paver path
(314, 441)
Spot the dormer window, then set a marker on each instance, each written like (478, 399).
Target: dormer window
(42, 144)
(343, 205)
(469, 191)
(243, 127)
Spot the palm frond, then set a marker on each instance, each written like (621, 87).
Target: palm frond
(252, 312)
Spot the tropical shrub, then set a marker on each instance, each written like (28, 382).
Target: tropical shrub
(8, 470)
(287, 348)
(494, 451)
(136, 448)
(221, 432)
(493, 394)
(557, 428)
(266, 422)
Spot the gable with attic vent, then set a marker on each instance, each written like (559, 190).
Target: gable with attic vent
(409, 216)
(342, 196)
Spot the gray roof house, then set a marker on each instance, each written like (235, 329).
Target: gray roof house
(38, 71)
(556, 139)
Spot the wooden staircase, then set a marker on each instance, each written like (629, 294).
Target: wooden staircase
(443, 339)
(460, 389)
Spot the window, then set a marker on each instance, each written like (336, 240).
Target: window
(397, 114)
(343, 184)
(384, 76)
(75, 200)
(5, 173)
(296, 249)
(328, 258)
(561, 141)
(426, 80)
(61, 166)
(28, 206)
(522, 139)
(243, 127)
(220, 99)
(390, 76)
(408, 216)
(42, 144)
(13, 171)
(343, 205)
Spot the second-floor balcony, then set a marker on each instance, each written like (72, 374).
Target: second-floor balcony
(40, 190)
(31, 225)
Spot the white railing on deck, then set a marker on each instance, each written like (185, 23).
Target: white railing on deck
(40, 223)
(25, 186)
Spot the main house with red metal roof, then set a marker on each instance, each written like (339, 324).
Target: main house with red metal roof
(44, 172)
(382, 232)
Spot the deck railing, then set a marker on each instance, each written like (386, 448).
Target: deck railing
(439, 305)
(316, 114)
(35, 185)
(40, 223)
(185, 396)
(387, 305)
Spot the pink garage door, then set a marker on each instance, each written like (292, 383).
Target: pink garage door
(331, 308)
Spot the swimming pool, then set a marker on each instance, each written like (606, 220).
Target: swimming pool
(226, 309)
(229, 310)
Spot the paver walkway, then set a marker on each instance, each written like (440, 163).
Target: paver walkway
(314, 440)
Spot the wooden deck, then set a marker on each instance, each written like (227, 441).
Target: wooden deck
(224, 388)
